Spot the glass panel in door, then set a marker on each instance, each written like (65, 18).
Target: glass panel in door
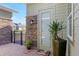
(45, 18)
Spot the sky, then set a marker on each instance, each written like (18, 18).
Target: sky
(20, 8)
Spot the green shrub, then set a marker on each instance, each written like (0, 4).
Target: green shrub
(28, 44)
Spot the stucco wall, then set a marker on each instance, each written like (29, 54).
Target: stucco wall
(74, 50)
(32, 9)
(5, 27)
(58, 11)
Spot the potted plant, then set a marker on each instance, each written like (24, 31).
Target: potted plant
(28, 44)
(59, 44)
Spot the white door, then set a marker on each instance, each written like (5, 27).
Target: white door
(44, 22)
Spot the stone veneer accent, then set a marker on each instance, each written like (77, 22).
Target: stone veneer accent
(5, 31)
(31, 29)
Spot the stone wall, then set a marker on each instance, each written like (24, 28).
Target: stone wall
(31, 32)
(5, 31)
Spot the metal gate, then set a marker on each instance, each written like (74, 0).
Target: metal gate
(17, 37)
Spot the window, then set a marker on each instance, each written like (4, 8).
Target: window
(70, 24)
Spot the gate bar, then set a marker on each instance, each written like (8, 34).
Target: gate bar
(14, 36)
(11, 36)
(21, 38)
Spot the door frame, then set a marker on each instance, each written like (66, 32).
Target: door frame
(40, 33)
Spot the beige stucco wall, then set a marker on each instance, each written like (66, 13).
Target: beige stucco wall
(5, 18)
(58, 11)
(5, 26)
(74, 50)
(32, 9)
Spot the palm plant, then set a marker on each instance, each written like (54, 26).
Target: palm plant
(55, 27)
(59, 45)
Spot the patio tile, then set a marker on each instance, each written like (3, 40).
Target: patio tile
(12, 49)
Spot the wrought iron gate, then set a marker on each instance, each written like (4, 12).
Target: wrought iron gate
(14, 38)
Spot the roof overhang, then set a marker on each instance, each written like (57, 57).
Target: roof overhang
(7, 9)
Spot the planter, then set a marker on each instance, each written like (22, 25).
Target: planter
(28, 48)
(59, 47)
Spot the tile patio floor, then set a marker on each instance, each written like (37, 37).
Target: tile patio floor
(12, 49)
